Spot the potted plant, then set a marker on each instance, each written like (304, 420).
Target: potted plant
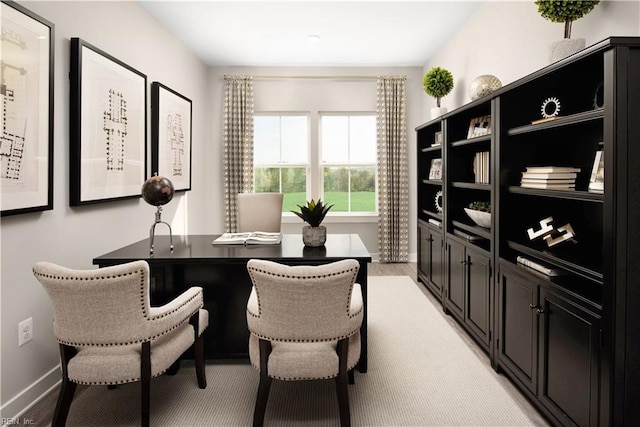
(566, 12)
(480, 213)
(313, 213)
(437, 83)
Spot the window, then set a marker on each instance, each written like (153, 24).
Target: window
(280, 157)
(349, 161)
(336, 164)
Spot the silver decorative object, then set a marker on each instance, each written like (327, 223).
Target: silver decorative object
(158, 191)
(483, 85)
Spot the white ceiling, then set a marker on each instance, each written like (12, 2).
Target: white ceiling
(275, 33)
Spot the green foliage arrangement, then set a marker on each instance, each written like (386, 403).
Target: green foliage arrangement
(313, 213)
(565, 11)
(480, 206)
(437, 83)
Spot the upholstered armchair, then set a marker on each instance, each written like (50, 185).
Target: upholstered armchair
(109, 334)
(259, 212)
(305, 324)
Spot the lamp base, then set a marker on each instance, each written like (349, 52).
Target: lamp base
(152, 231)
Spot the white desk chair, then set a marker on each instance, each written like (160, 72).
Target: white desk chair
(259, 212)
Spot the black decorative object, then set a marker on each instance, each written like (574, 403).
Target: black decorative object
(158, 191)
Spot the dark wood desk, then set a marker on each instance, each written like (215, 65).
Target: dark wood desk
(222, 273)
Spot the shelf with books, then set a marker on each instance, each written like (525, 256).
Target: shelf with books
(574, 194)
(570, 267)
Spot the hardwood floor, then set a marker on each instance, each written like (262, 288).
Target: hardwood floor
(41, 413)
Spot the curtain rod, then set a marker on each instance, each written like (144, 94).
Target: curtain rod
(316, 77)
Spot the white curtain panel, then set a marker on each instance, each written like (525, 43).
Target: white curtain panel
(393, 170)
(238, 144)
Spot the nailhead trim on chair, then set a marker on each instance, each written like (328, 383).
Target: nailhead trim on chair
(294, 276)
(116, 382)
(142, 302)
(305, 378)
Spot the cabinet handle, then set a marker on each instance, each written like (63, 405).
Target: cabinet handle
(539, 310)
(532, 306)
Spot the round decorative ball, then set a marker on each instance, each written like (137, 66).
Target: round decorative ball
(483, 85)
(157, 190)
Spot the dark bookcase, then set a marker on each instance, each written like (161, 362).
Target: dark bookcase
(569, 337)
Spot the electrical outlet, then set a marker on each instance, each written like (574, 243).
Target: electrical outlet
(25, 331)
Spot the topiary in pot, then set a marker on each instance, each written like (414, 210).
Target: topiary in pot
(313, 213)
(437, 82)
(565, 11)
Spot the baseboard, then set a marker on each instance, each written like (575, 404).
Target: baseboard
(23, 401)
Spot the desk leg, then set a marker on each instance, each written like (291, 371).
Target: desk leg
(362, 279)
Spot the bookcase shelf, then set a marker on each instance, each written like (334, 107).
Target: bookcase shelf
(559, 122)
(577, 316)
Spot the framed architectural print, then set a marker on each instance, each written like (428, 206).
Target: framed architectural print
(108, 129)
(26, 145)
(171, 136)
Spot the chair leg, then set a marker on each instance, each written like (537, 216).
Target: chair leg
(200, 366)
(174, 368)
(265, 384)
(198, 351)
(341, 383)
(67, 389)
(352, 379)
(145, 383)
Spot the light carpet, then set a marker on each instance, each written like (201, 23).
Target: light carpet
(421, 373)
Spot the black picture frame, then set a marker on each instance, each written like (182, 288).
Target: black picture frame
(108, 127)
(26, 147)
(171, 136)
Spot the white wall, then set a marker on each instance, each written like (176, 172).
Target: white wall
(510, 40)
(74, 236)
(320, 95)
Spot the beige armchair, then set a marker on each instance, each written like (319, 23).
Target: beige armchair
(109, 334)
(305, 324)
(259, 212)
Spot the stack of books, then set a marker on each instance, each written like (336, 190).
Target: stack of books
(550, 177)
(481, 167)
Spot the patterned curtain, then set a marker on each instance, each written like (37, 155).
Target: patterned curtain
(238, 144)
(393, 170)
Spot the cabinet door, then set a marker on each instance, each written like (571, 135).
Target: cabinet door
(478, 288)
(435, 259)
(423, 253)
(517, 341)
(455, 278)
(569, 360)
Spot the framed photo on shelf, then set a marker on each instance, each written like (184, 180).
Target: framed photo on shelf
(479, 126)
(435, 172)
(108, 131)
(437, 139)
(26, 147)
(596, 181)
(171, 136)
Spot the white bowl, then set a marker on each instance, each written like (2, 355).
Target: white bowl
(483, 219)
